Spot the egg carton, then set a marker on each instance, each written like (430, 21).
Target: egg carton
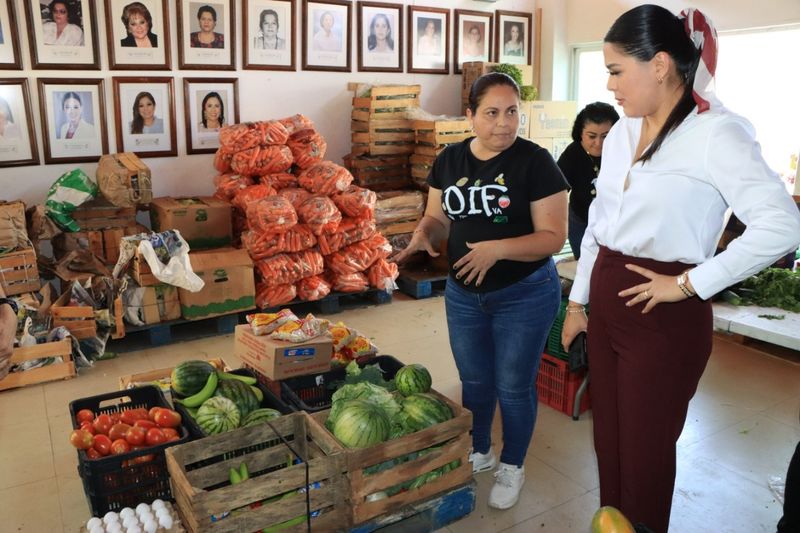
(136, 521)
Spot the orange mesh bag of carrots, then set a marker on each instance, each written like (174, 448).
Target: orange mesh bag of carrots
(350, 230)
(273, 214)
(274, 295)
(239, 222)
(263, 245)
(229, 184)
(353, 282)
(251, 194)
(289, 267)
(296, 123)
(325, 177)
(358, 257)
(295, 195)
(312, 288)
(262, 160)
(279, 180)
(382, 274)
(356, 201)
(222, 160)
(240, 137)
(308, 148)
(320, 213)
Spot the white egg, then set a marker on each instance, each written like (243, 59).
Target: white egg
(157, 504)
(113, 527)
(165, 521)
(162, 511)
(93, 521)
(134, 529)
(150, 527)
(126, 512)
(141, 508)
(98, 529)
(129, 521)
(144, 517)
(110, 516)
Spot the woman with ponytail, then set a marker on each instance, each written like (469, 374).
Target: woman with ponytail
(672, 166)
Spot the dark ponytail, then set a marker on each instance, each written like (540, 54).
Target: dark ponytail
(486, 82)
(646, 30)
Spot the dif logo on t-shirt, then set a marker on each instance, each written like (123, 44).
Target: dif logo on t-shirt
(463, 200)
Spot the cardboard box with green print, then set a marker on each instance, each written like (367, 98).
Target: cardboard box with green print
(204, 221)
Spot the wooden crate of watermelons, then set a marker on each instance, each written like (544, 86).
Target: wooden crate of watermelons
(214, 492)
(411, 455)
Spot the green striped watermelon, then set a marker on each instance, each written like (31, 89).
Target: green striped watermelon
(412, 378)
(218, 415)
(361, 424)
(259, 416)
(189, 377)
(239, 393)
(422, 410)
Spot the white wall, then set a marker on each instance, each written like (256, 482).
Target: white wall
(322, 96)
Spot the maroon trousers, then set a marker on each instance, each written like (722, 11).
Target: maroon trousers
(644, 370)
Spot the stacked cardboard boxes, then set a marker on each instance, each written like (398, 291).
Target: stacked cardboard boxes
(549, 124)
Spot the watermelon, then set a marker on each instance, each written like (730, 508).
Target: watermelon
(218, 415)
(239, 393)
(422, 410)
(609, 519)
(259, 416)
(189, 377)
(361, 424)
(412, 378)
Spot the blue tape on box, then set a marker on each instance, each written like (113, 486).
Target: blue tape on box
(299, 352)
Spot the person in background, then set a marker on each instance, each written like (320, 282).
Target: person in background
(75, 126)
(139, 25)
(580, 163)
(60, 31)
(672, 166)
(267, 37)
(326, 40)
(473, 44)
(213, 113)
(8, 332)
(501, 203)
(380, 34)
(430, 43)
(144, 115)
(206, 37)
(8, 128)
(513, 46)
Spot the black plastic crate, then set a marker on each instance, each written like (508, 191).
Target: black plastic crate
(313, 392)
(110, 486)
(270, 400)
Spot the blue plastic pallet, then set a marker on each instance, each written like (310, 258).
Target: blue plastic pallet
(334, 302)
(421, 283)
(162, 333)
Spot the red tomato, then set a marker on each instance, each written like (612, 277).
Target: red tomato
(81, 439)
(171, 434)
(152, 413)
(155, 436)
(102, 444)
(135, 435)
(118, 431)
(84, 415)
(102, 424)
(114, 417)
(129, 416)
(167, 418)
(87, 426)
(142, 423)
(91, 453)
(143, 458)
(120, 446)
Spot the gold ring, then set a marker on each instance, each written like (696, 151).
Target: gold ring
(646, 293)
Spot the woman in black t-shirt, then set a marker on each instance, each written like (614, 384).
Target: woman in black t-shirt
(501, 203)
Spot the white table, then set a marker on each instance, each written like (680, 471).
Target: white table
(745, 320)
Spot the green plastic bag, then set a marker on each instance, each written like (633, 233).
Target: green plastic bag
(66, 194)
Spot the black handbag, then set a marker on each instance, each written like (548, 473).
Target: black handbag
(578, 357)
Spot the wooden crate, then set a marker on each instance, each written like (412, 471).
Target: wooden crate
(199, 473)
(100, 214)
(455, 441)
(140, 271)
(78, 319)
(442, 132)
(399, 206)
(19, 273)
(379, 173)
(385, 102)
(63, 370)
(152, 376)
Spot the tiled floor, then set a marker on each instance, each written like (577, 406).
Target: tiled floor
(742, 428)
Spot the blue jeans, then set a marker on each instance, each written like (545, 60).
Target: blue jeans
(575, 230)
(497, 340)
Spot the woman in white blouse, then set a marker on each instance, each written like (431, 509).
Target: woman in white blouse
(60, 31)
(671, 168)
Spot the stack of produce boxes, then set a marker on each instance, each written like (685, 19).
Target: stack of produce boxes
(433, 136)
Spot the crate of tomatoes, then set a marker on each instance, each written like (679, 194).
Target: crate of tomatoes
(120, 438)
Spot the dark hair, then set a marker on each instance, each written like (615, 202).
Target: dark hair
(598, 113)
(71, 96)
(264, 15)
(212, 94)
(486, 82)
(646, 30)
(63, 3)
(137, 8)
(137, 125)
(372, 41)
(207, 9)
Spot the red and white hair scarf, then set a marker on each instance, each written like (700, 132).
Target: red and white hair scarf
(701, 31)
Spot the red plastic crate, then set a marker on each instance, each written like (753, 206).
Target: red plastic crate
(557, 386)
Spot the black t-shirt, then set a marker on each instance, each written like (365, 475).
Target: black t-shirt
(490, 200)
(579, 169)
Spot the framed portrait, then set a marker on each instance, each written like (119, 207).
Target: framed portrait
(145, 116)
(9, 37)
(138, 34)
(211, 103)
(206, 35)
(428, 43)
(473, 37)
(73, 119)
(63, 34)
(17, 141)
(380, 37)
(326, 35)
(269, 34)
(513, 37)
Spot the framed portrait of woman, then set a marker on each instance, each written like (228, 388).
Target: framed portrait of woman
(138, 34)
(269, 36)
(73, 115)
(428, 42)
(380, 37)
(145, 116)
(63, 34)
(17, 140)
(211, 103)
(206, 36)
(473, 37)
(326, 35)
(513, 37)
(9, 37)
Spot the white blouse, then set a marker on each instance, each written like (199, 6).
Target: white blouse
(674, 207)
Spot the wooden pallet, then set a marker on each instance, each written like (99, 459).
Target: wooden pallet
(335, 302)
(421, 283)
(177, 330)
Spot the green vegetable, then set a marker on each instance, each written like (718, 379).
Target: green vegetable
(528, 93)
(774, 287)
(413, 378)
(360, 424)
(373, 394)
(189, 377)
(731, 297)
(772, 317)
(511, 70)
(218, 415)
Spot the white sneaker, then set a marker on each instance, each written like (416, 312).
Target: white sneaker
(505, 491)
(481, 462)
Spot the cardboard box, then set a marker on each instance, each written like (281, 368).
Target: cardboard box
(552, 119)
(281, 359)
(524, 129)
(13, 233)
(554, 145)
(204, 221)
(229, 284)
(159, 304)
(124, 180)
